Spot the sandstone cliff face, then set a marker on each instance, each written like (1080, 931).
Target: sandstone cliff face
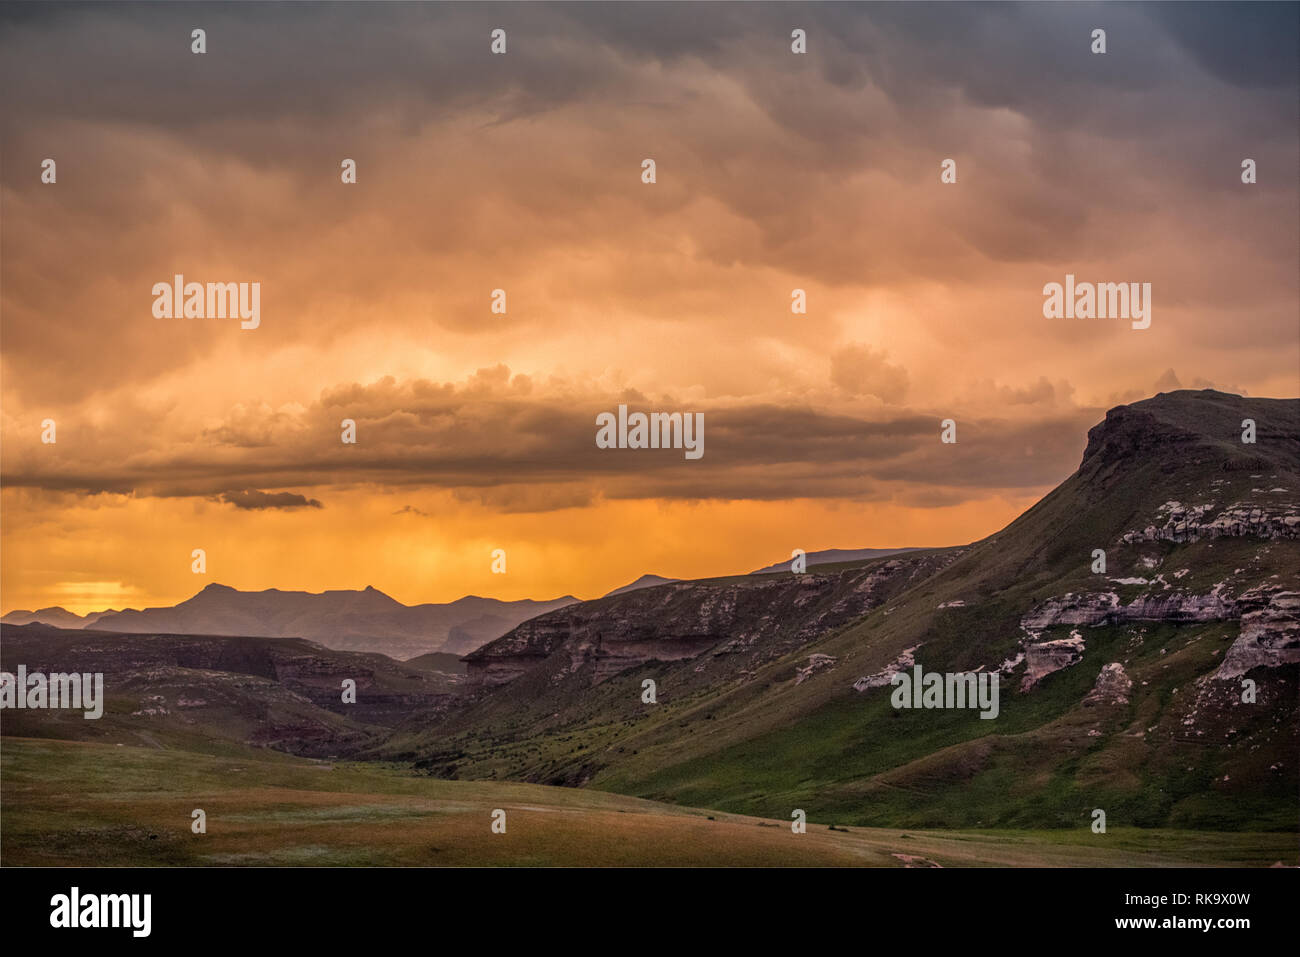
(1041, 658)
(1185, 524)
(1270, 635)
(1269, 619)
(1104, 608)
(756, 619)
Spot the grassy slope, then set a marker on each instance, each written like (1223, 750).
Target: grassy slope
(69, 803)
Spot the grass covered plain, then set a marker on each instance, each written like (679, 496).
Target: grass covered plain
(85, 804)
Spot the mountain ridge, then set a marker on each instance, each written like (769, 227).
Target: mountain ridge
(1121, 612)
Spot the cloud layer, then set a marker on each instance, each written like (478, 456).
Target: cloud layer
(521, 172)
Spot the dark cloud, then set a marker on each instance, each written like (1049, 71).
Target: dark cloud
(822, 167)
(254, 499)
(1245, 44)
(485, 442)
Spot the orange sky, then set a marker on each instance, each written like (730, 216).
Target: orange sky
(522, 172)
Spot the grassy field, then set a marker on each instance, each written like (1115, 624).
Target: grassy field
(77, 803)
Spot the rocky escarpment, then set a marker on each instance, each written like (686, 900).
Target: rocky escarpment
(1191, 523)
(751, 620)
(1269, 618)
(1105, 608)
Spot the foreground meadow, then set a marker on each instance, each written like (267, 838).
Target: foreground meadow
(76, 803)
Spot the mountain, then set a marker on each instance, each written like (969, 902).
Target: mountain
(744, 620)
(221, 694)
(645, 581)
(365, 620)
(1121, 687)
(831, 556)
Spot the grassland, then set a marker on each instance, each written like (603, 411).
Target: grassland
(74, 803)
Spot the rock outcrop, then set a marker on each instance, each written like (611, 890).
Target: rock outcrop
(1112, 687)
(1104, 608)
(883, 677)
(1185, 524)
(816, 662)
(1270, 635)
(1269, 619)
(1044, 657)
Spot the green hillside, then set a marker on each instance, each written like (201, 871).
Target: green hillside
(1180, 749)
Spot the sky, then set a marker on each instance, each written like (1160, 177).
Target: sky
(774, 171)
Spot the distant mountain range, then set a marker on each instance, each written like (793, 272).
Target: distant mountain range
(351, 620)
(365, 620)
(54, 615)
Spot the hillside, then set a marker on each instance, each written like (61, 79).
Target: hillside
(1119, 690)
(216, 694)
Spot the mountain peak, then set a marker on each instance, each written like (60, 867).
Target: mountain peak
(1191, 426)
